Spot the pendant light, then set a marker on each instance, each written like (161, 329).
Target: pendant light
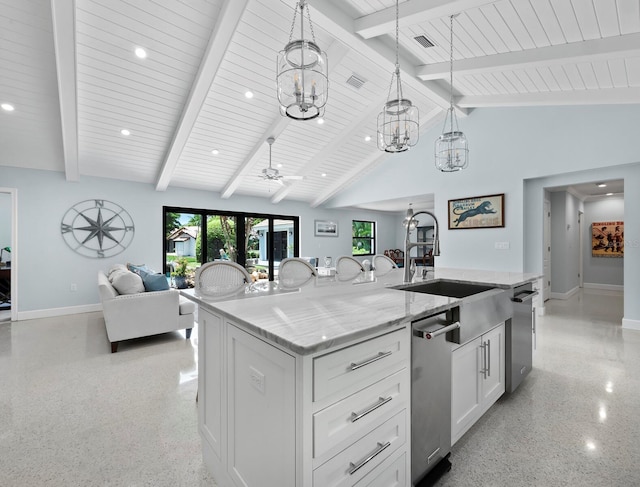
(452, 149)
(302, 73)
(398, 122)
(407, 219)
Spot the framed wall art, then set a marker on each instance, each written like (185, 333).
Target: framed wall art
(477, 212)
(325, 228)
(607, 239)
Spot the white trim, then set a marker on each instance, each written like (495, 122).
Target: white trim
(630, 324)
(541, 310)
(566, 295)
(608, 287)
(51, 312)
(13, 192)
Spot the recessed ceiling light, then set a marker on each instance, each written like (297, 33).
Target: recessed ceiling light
(321, 121)
(609, 194)
(7, 107)
(278, 165)
(602, 185)
(215, 152)
(248, 94)
(367, 138)
(140, 52)
(125, 132)
(324, 174)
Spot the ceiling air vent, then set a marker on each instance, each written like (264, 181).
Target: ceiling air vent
(423, 41)
(356, 81)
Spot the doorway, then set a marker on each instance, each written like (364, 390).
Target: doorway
(8, 254)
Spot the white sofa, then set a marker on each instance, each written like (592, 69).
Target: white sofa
(143, 314)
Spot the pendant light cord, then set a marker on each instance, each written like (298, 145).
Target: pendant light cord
(451, 71)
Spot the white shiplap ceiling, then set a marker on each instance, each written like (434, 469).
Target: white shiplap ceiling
(69, 69)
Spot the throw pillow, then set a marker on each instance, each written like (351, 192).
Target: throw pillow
(116, 267)
(155, 282)
(126, 282)
(139, 269)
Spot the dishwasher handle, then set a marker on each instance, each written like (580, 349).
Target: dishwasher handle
(524, 296)
(428, 335)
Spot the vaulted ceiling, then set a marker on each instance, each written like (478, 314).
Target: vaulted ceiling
(70, 72)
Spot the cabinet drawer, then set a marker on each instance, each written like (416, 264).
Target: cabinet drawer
(392, 475)
(354, 416)
(360, 365)
(352, 464)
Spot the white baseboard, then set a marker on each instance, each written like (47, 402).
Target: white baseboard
(630, 324)
(51, 312)
(566, 295)
(608, 287)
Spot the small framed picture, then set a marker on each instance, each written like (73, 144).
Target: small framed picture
(477, 212)
(325, 228)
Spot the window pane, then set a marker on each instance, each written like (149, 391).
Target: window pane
(363, 234)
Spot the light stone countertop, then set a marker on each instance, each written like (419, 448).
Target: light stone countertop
(326, 311)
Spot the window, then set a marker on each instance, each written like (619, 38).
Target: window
(257, 241)
(363, 237)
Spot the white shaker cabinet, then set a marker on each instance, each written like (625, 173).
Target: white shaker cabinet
(477, 379)
(272, 418)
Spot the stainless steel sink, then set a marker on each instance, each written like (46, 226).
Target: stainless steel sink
(481, 308)
(446, 288)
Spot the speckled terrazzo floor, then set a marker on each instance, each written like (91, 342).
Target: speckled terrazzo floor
(574, 420)
(73, 414)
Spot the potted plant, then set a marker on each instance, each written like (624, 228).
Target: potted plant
(179, 273)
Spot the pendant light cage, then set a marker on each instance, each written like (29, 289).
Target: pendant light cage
(302, 73)
(399, 120)
(452, 147)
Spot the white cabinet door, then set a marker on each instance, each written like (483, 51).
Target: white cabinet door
(493, 383)
(261, 412)
(210, 370)
(466, 394)
(477, 379)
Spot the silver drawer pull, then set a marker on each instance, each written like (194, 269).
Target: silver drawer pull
(380, 355)
(353, 468)
(381, 402)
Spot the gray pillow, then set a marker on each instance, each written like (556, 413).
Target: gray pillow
(155, 282)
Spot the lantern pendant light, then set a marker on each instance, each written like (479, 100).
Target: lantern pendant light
(302, 73)
(399, 120)
(451, 148)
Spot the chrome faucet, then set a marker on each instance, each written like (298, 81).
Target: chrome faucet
(408, 245)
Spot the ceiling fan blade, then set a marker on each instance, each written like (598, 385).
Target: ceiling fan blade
(298, 178)
(279, 181)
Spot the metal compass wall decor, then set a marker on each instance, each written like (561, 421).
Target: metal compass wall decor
(97, 228)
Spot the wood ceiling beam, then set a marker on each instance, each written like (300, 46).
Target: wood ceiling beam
(587, 51)
(410, 13)
(329, 150)
(226, 25)
(370, 162)
(610, 96)
(339, 25)
(64, 42)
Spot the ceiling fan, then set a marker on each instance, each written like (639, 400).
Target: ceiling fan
(271, 174)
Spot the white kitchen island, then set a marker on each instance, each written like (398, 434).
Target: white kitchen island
(312, 386)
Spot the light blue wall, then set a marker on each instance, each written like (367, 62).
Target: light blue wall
(519, 152)
(599, 270)
(48, 267)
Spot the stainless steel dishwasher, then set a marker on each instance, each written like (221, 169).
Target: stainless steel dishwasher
(431, 396)
(519, 336)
